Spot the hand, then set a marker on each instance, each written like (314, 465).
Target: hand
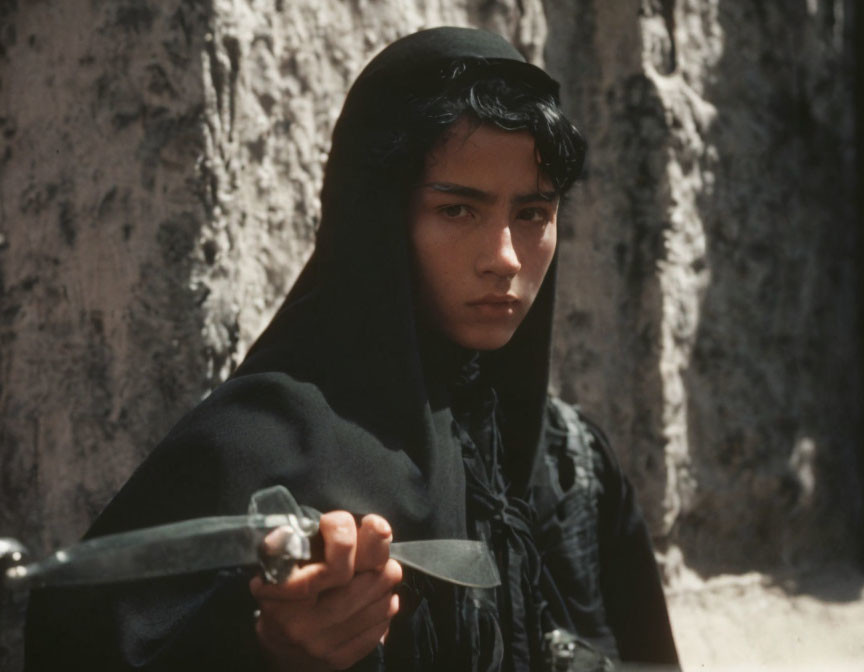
(328, 615)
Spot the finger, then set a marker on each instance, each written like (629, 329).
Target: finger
(332, 629)
(320, 632)
(339, 533)
(335, 615)
(393, 572)
(354, 649)
(367, 585)
(382, 609)
(339, 605)
(373, 543)
(294, 589)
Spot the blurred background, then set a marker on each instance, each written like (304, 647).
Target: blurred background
(160, 163)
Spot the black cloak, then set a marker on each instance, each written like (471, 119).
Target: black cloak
(338, 401)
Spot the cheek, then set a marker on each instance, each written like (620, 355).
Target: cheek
(550, 243)
(540, 257)
(432, 259)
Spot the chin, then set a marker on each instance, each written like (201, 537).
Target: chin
(485, 339)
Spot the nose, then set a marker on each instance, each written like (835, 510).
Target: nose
(498, 255)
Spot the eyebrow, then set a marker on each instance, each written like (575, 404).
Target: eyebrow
(484, 196)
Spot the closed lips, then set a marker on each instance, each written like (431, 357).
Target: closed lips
(494, 300)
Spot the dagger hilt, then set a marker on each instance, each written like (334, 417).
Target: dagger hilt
(287, 545)
(292, 542)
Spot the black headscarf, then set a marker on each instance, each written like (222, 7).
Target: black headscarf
(337, 400)
(348, 325)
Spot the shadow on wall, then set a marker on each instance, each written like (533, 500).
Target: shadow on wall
(774, 383)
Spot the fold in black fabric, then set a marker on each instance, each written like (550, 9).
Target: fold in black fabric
(338, 401)
(505, 522)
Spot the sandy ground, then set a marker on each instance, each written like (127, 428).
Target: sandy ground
(755, 622)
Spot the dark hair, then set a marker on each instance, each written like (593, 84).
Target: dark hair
(509, 94)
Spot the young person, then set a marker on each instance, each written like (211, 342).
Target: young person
(402, 385)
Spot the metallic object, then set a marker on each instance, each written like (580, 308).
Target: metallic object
(11, 553)
(231, 541)
(459, 561)
(178, 548)
(565, 652)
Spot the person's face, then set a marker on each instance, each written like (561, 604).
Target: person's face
(483, 233)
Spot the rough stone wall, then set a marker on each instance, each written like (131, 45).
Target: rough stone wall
(100, 202)
(100, 205)
(712, 269)
(159, 170)
(774, 389)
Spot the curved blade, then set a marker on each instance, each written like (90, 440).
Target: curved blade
(459, 561)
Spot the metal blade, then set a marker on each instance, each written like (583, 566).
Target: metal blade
(459, 561)
(231, 541)
(165, 550)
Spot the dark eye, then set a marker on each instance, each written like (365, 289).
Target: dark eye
(455, 211)
(534, 215)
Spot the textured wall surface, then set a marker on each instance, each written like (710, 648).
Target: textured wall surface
(159, 170)
(102, 204)
(708, 314)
